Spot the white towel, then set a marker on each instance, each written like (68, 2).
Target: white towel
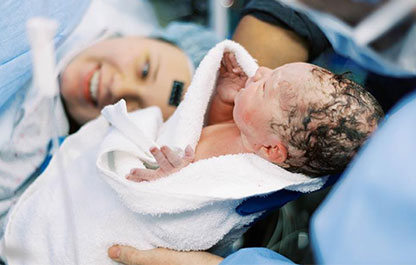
(191, 209)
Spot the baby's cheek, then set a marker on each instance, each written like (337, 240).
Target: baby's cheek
(247, 117)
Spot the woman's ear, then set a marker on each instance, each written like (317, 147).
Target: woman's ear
(276, 153)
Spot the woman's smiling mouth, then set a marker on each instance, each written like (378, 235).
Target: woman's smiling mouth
(94, 84)
(91, 86)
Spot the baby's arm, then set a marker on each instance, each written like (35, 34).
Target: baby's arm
(230, 80)
(169, 162)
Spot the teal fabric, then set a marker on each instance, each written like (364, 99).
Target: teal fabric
(195, 40)
(340, 36)
(255, 256)
(370, 215)
(15, 58)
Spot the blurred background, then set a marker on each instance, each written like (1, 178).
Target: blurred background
(221, 15)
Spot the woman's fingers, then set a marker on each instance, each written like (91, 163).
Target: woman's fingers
(126, 255)
(158, 256)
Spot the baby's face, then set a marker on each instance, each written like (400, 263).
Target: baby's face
(264, 105)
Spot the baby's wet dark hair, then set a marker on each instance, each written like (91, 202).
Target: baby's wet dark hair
(329, 134)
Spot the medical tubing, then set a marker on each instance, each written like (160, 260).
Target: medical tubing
(383, 19)
(41, 32)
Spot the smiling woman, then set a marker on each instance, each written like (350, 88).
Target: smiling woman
(145, 71)
(140, 70)
(95, 68)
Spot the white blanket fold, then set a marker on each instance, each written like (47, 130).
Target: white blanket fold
(191, 209)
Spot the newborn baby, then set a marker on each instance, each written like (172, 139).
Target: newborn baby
(299, 116)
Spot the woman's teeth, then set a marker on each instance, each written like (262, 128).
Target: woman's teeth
(94, 86)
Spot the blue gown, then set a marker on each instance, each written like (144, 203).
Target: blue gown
(15, 60)
(369, 216)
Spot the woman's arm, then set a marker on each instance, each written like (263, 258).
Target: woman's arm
(161, 256)
(270, 44)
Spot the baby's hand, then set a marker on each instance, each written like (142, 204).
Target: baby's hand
(231, 79)
(169, 162)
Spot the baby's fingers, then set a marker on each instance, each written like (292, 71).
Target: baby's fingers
(174, 159)
(234, 64)
(189, 154)
(161, 159)
(142, 174)
(227, 62)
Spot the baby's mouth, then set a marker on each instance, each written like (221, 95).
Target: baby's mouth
(94, 84)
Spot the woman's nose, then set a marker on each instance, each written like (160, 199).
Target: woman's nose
(126, 90)
(125, 87)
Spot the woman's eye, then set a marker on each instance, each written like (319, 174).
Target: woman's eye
(145, 70)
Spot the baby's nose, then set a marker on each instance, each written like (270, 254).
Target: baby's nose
(257, 76)
(261, 72)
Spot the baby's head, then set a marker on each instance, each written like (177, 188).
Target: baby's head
(305, 118)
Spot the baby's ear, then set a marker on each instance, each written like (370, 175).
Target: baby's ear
(276, 153)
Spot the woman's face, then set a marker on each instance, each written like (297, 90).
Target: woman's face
(140, 70)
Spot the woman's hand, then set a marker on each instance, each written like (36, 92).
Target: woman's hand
(158, 256)
(169, 162)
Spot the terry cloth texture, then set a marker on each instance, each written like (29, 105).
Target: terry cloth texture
(83, 203)
(26, 127)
